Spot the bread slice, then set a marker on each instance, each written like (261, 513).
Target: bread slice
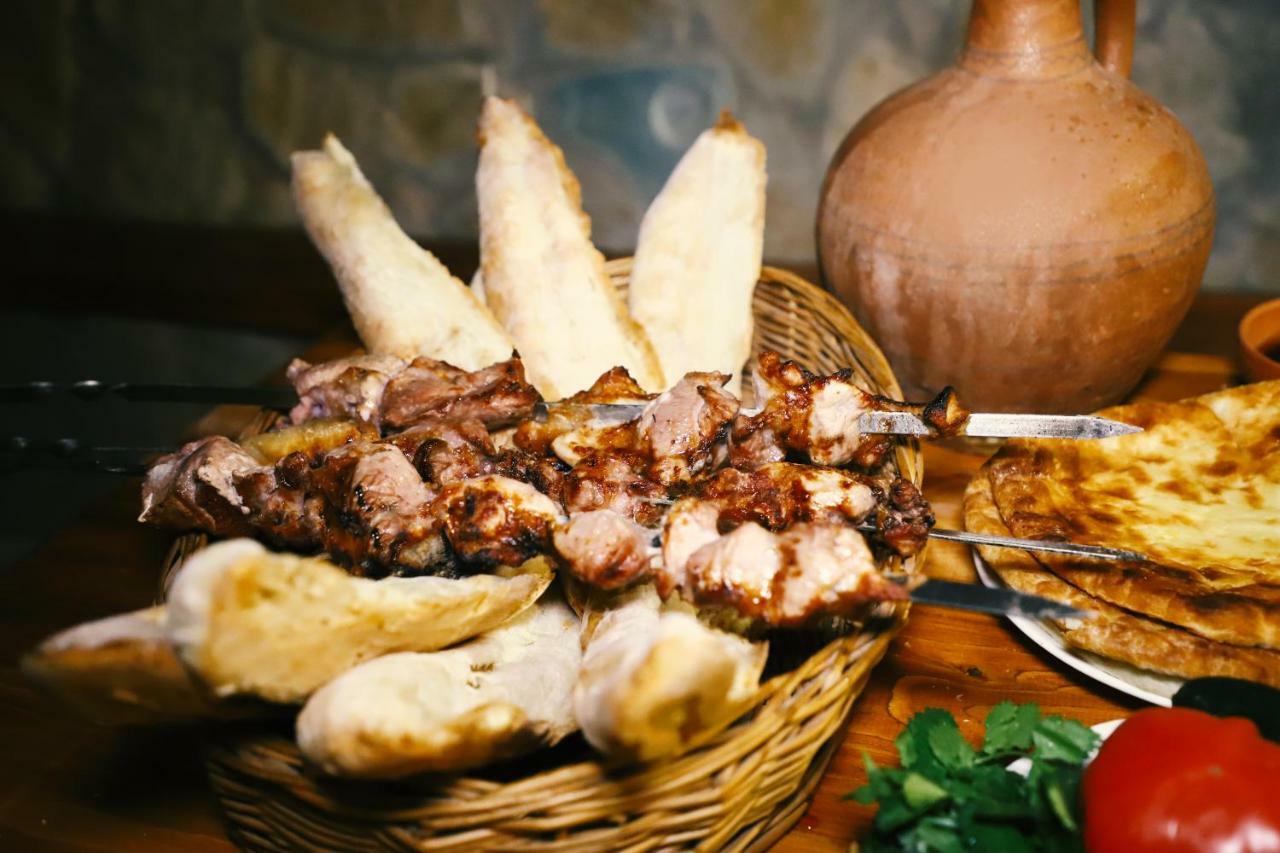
(698, 256)
(655, 680)
(279, 626)
(543, 279)
(497, 696)
(402, 300)
(122, 670)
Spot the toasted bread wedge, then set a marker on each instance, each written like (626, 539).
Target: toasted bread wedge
(543, 279)
(402, 300)
(655, 680)
(122, 670)
(500, 695)
(698, 256)
(278, 626)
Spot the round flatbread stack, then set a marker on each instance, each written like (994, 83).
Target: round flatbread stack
(1198, 492)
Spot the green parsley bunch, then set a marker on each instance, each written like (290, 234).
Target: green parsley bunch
(949, 797)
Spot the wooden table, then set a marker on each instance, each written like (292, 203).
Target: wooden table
(68, 786)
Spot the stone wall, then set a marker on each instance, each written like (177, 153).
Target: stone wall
(186, 110)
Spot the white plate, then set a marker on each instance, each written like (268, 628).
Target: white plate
(1148, 686)
(1103, 730)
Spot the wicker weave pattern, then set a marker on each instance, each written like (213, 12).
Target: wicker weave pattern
(739, 790)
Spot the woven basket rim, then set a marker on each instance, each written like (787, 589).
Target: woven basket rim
(268, 794)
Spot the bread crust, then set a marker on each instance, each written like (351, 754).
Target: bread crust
(1112, 632)
(1191, 492)
(543, 279)
(122, 670)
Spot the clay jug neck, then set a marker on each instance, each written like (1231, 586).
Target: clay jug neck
(1025, 39)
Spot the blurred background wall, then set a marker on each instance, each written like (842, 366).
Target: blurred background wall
(185, 111)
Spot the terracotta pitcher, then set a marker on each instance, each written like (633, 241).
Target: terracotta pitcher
(1026, 225)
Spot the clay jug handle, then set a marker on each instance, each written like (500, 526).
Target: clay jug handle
(1115, 21)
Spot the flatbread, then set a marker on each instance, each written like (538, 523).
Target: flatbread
(698, 256)
(543, 279)
(500, 695)
(1112, 633)
(279, 626)
(402, 300)
(1198, 492)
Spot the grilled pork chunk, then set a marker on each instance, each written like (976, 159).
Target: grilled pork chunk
(343, 388)
(495, 396)
(393, 394)
(496, 521)
(689, 525)
(195, 488)
(780, 494)
(805, 414)
(904, 518)
(614, 481)
(788, 578)
(681, 428)
(816, 417)
(607, 549)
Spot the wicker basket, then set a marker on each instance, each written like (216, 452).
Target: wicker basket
(740, 789)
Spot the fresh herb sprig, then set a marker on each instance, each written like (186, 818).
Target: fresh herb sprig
(949, 797)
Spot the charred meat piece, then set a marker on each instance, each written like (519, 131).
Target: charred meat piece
(752, 444)
(681, 428)
(788, 578)
(605, 549)
(447, 450)
(194, 488)
(343, 388)
(280, 509)
(544, 473)
(614, 386)
(616, 481)
(904, 518)
(595, 436)
(814, 416)
(783, 493)
(817, 418)
(496, 521)
(377, 510)
(495, 395)
(572, 414)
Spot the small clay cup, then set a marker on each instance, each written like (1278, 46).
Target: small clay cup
(1260, 333)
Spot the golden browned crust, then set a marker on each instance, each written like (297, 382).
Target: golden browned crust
(1112, 633)
(1192, 492)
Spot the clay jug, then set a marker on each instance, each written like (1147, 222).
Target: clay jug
(1027, 225)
